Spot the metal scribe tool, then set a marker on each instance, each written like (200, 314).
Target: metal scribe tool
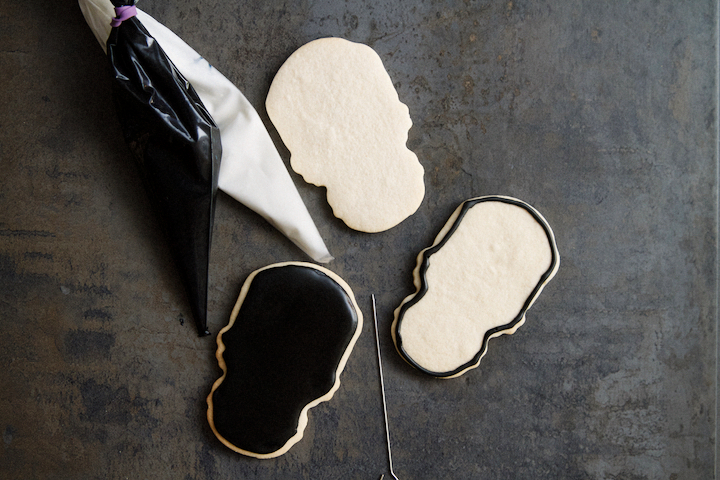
(382, 390)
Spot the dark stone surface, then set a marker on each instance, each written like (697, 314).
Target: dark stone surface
(602, 115)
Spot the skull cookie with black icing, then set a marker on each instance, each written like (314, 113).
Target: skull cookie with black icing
(289, 337)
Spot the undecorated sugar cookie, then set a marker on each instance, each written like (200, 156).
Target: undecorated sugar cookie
(289, 336)
(478, 279)
(338, 113)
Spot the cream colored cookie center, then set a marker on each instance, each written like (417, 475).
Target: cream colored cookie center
(479, 280)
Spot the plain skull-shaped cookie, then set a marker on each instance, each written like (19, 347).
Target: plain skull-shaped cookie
(337, 111)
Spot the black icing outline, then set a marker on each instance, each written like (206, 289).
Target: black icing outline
(424, 264)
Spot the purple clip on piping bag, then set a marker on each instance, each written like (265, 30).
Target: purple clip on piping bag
(176, 145)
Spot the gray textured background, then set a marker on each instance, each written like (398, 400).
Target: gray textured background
(600, 114)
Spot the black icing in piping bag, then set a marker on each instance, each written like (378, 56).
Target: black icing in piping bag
(176, 145)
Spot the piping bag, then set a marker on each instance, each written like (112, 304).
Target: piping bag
(251, 170)
(176, 145)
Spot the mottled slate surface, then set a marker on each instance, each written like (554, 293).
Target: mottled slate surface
(600, 114)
